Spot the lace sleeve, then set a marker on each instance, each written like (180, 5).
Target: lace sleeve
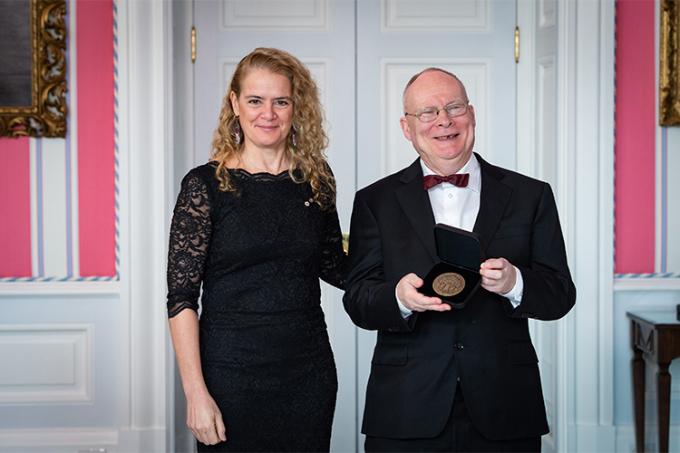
(190, 233)
(333, 258)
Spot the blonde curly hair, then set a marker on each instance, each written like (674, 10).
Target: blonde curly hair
(306, 151)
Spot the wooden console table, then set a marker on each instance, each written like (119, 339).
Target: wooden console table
(655, 336)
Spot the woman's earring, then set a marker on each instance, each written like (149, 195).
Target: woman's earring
(236, 131)
(293, 137)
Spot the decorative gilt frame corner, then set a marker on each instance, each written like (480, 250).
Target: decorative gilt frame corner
(47, 115)
(669, 64)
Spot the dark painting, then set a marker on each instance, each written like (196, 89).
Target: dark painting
(15, 53)
(33, 37)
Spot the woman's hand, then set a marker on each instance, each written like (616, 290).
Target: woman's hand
(204, 419)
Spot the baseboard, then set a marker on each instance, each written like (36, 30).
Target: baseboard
(595, 438)
(82, 440)
(625, 438)
(57, 439)
(142, 441)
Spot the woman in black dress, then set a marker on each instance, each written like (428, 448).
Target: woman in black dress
(257, 227)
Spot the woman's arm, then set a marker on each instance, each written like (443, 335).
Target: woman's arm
(204, 418)
(190, 235)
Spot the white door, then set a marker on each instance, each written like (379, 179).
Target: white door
(361, 54)
(396, 39)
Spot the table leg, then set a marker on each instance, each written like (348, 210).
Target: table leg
(663, 391)
(638, 368)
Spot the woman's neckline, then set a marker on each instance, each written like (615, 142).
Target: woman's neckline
(258, 173)
(249, 173)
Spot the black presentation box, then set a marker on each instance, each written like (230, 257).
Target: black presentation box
(456, 278)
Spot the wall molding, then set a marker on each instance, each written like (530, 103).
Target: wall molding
(147, 91)
(439, 20)
(652, 283)
(73, 383)
(239, 15)
(586, 111)
(78, 289)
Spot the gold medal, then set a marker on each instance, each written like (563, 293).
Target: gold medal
(448, 284)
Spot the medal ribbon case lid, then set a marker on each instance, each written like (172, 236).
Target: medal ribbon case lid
(459, 247)
(456, 278)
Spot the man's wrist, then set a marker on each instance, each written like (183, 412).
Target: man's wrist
(517, 291)
(405, 312)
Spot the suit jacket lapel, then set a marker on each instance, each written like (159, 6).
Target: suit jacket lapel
(492, 204)
(416, 204)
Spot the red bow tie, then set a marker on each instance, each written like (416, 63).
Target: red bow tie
(459, 179)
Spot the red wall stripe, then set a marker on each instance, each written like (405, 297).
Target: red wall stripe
(635, 136)
(15, 205)
(96, 199)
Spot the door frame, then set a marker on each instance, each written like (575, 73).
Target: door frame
(585, 146)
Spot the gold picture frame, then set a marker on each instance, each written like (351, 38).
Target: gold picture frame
(669, 64)
(46, 115)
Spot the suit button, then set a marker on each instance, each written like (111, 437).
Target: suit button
(458, 346)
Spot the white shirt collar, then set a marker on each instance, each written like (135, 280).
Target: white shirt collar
(472, 167)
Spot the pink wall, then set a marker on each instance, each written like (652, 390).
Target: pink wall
(635, 124)
(90, 143)
(96, 138)
(15, 204)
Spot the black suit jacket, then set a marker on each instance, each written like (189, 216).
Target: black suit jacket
(417, 361)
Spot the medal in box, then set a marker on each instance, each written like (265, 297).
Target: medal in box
(456, 278)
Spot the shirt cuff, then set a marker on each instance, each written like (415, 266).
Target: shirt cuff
(405, 312)
(515, 294)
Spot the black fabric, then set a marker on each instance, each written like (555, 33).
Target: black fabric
(259, 254)
(486, 345)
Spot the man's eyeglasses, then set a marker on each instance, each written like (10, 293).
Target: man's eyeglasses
(430, 114)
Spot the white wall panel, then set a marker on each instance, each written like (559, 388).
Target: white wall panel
(274, 14)
(397, 152)
(53, 215)
(672, 196)
(45, 363)
(546, 13)
(435, 15)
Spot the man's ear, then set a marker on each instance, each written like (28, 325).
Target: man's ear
(472, 114)
(234, 102)
(405, 128)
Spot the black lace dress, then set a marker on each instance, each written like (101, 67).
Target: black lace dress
(259, 254)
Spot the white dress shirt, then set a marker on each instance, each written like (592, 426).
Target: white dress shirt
(458, 207)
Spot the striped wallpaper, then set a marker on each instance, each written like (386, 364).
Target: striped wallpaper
(59, 196)
(646, 200)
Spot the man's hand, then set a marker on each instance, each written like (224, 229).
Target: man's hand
(498, 275)
(407, 292)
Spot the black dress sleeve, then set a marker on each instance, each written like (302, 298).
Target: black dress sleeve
(190, 234)
(333, 258)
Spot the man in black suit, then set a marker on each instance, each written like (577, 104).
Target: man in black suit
(444, 379)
